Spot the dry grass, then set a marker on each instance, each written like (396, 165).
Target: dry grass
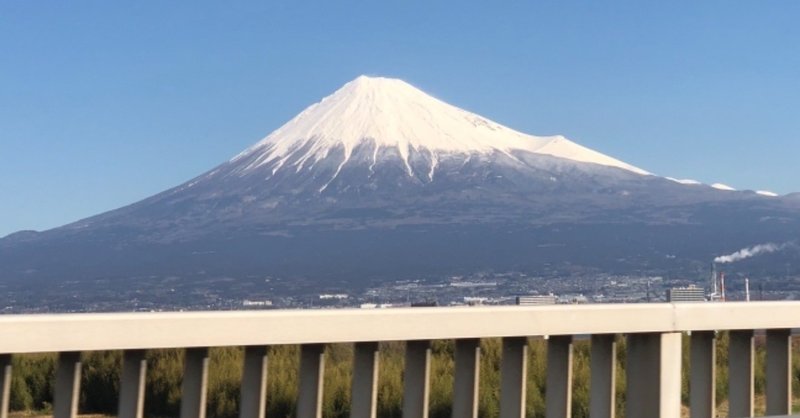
(36, 415)
(759, 405)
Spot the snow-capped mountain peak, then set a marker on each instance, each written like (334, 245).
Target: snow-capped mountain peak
(389, 113)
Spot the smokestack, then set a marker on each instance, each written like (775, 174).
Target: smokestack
(747, 289)
(714, 279)
(722, 285)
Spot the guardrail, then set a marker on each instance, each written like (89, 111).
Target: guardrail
(653, 372)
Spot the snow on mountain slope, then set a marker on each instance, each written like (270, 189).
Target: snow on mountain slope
(719, 186)
(725, 187)
(688, 182)
(394, 114)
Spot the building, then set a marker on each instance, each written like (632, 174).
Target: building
(475, 300)
(691, 293)
(256, 303)
(533, 300)
(336, 296)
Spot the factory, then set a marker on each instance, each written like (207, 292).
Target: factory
(717, 293)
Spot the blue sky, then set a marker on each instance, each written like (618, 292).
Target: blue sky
(103, 103)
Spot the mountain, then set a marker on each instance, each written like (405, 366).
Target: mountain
(382, 181)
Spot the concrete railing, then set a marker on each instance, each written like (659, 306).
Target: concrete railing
(653, 372)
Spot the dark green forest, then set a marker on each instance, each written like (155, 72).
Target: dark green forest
(33, 376)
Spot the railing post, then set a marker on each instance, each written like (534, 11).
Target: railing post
(670, 375)
(364, 399)
(602, 402)
(702, 379)
(779, 372)
(68, 385)
(312, 373)
(416, 387)
(467, 378)
(642, 376)
(195, 383)
(5, 384)
(558, 398)
(654, 375)
(740, 374)
(131, 388)
(514, 376)
(253, 392)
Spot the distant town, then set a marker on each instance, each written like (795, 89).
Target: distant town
(510, 288)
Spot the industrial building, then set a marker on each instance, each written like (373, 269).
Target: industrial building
(533, 300)
(691, 293)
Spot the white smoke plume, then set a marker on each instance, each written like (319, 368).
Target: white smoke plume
(750, 252)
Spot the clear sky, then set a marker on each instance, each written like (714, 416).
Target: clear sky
(104, 103)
